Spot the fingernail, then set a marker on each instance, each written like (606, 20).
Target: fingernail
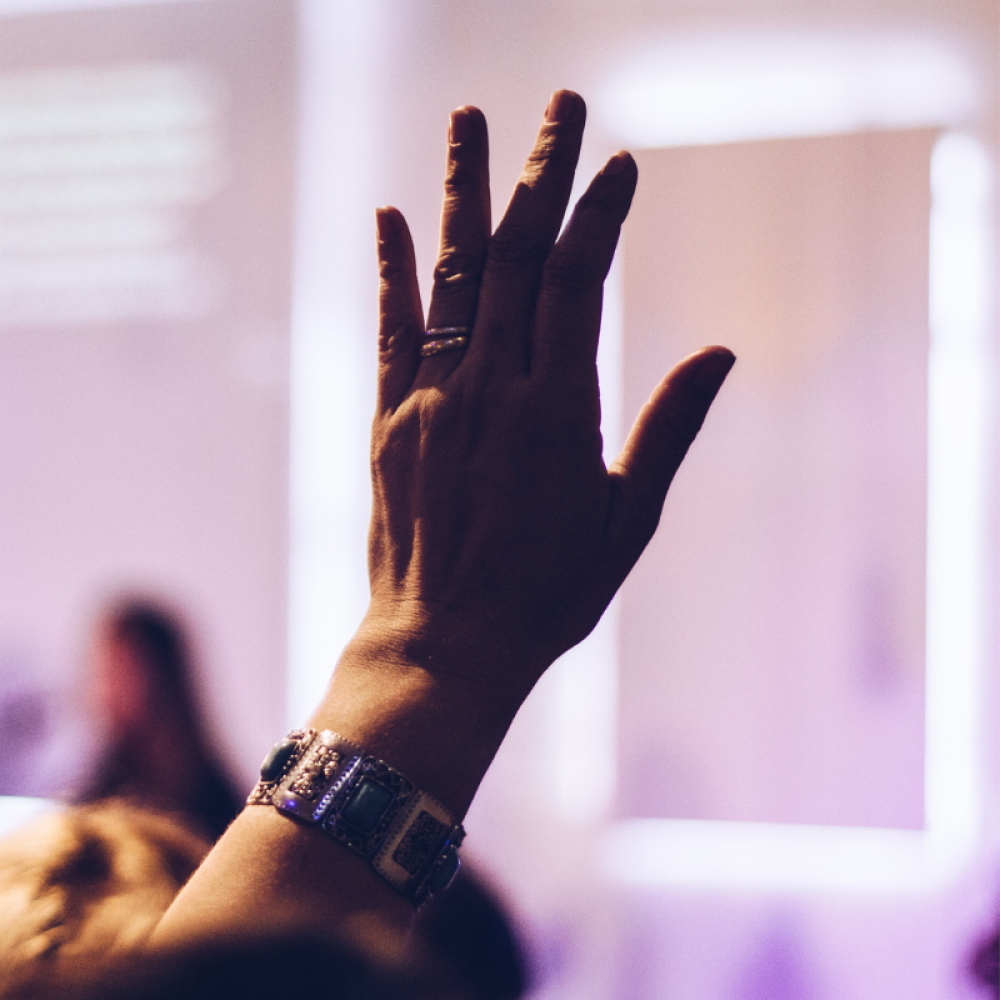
(564, 106)
(714, 368)
(616, 165)
(381, 223)
(458, 126)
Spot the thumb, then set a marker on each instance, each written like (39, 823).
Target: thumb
(658, 442)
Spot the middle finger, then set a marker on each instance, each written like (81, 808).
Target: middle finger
(523, 240)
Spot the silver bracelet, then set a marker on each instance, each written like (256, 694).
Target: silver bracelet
(406, 835)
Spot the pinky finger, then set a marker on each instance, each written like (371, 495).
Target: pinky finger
(400, 319)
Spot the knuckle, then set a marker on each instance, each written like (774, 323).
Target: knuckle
(459, 177)
(552, 145)
(389, 270)
(679, 424)
(395, 339)
(545, 149)
(393, 443)
(456, 268)
(573, 272)
(516, 246)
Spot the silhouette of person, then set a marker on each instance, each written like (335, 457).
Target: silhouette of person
(158, 752)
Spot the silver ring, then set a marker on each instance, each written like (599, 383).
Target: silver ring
(436, 345)
(446, 331)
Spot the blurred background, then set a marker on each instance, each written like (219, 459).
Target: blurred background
(772, 772)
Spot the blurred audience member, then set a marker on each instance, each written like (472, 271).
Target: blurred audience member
(81, 889)
(158, 755)
(158, 752)
(468, 931)
(276, 966)
(85, 882)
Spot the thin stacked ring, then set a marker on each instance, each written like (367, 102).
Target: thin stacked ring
(444, 338)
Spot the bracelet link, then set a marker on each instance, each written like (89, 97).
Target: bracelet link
(408, 837)
(281, 758)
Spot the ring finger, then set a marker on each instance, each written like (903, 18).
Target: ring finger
(465, 233)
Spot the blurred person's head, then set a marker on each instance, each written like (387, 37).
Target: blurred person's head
(157, 748)
(85, 882)
(142, 666)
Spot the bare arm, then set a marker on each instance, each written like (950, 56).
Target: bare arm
(498, 535)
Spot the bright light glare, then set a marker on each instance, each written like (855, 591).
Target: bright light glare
(756, 856)
(959, 386)
(331, 381)
(771, 856)
(16, 810)
(712, 89)
(585, 716)
(13, 7)
(585, 681)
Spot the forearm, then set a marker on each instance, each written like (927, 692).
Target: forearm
(415, 705)
(269, 871)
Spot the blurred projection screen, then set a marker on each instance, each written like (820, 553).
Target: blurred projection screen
(146, 175)
(772, 638)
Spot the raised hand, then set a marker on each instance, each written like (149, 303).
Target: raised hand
(498, 536)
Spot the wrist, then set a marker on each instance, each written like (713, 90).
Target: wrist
(469, 643)
(420, 705)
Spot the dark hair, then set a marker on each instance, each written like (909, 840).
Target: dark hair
(157, 636)
(131, 766)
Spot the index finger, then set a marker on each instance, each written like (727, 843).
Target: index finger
(465, 234)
